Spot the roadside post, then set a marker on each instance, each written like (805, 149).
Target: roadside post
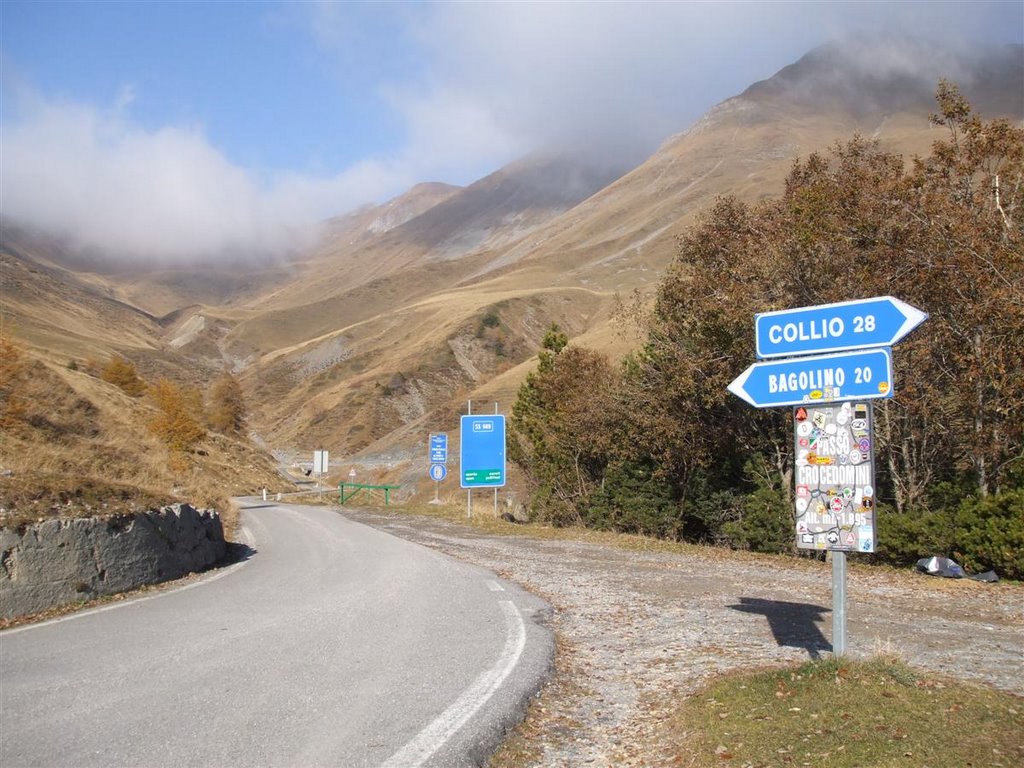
(481, 454)
(438, 449)
(829, 362)
(321, 463)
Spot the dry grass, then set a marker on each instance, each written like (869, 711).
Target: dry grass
(485, 521)
(453, 510)
(29, 499)
(846, 714)
(76, 445)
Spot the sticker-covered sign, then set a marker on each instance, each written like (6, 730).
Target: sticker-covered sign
(835, 477)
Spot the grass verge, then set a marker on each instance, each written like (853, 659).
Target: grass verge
(845, 714)
(485, 521)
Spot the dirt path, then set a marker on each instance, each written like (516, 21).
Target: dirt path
(638, 629)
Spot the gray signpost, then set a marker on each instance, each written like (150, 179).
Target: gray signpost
(438, 460)
(838, 362)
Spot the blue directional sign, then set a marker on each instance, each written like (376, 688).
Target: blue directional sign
(877, 322)
(862, 375)
(439, 448)
(482, 451)
(438, 472)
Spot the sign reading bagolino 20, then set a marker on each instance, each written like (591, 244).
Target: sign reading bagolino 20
(862, 375)
(877, 322)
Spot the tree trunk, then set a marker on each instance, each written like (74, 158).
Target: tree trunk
(979, 422)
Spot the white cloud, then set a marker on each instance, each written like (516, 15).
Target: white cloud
(116, 190)
(475, 85)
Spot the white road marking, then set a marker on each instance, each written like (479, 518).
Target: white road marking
(495, 586)
(437, 733)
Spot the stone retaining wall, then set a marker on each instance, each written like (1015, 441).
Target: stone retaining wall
(52, 563)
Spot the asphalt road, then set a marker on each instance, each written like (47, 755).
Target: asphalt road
(332, 644)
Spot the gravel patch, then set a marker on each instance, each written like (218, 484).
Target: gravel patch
(637, 629)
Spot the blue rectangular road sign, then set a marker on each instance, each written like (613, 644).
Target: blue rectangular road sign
(861, 375)
(439, 448)
(482, 451)
(877, 322)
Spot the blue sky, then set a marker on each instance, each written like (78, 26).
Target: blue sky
(173, 130)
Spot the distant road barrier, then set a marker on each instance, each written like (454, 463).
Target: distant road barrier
(354, 488)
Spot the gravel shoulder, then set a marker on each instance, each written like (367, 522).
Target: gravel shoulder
(638, 629)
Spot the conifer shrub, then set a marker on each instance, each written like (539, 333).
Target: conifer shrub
(177, 424)
(122, 374)
(989, 534)
(227, 406)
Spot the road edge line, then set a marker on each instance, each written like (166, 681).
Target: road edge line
(435, 735)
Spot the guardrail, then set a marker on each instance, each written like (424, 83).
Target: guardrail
(357, 487)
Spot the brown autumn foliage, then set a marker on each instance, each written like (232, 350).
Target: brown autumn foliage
(121, 373)
(563, 422)
(944, 233)
(226, 412)
(178, 423)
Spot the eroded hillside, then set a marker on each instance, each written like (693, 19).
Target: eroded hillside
(401, 312)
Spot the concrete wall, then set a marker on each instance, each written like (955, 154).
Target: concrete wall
(67, 560)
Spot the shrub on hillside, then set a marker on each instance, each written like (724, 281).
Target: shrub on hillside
(122, 374)
(989, 534)
(227, 406)
(632, 499)
(765, 523)
(178, 424)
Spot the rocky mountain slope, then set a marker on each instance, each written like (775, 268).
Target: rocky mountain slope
(403, 311)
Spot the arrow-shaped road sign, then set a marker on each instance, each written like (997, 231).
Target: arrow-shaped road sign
(877, 322)
(862, 375)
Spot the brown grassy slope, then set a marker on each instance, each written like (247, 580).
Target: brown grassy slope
(221, 283)
(499, 208)
(383, 334)
(54, 309)
(617, 240)
(567, 271)
(68, 436)
(350, 387)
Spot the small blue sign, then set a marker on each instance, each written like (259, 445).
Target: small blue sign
(862, 375)
(877, 322)
(439, 448)
(438, 472)
(482, 451)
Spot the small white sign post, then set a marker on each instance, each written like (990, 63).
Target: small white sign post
(321, 462)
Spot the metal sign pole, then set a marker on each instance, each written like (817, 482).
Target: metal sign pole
(838, 603)
(469, 491)
(495, 490)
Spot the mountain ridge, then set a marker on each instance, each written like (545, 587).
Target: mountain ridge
(404, 310)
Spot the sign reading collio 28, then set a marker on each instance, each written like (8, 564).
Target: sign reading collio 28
(482, 451)
(877, 322)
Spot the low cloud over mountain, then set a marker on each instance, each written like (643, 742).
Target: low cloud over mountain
(469, 87)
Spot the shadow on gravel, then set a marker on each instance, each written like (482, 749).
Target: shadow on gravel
(793, 624)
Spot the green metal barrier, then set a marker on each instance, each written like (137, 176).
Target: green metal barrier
(357, 487)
